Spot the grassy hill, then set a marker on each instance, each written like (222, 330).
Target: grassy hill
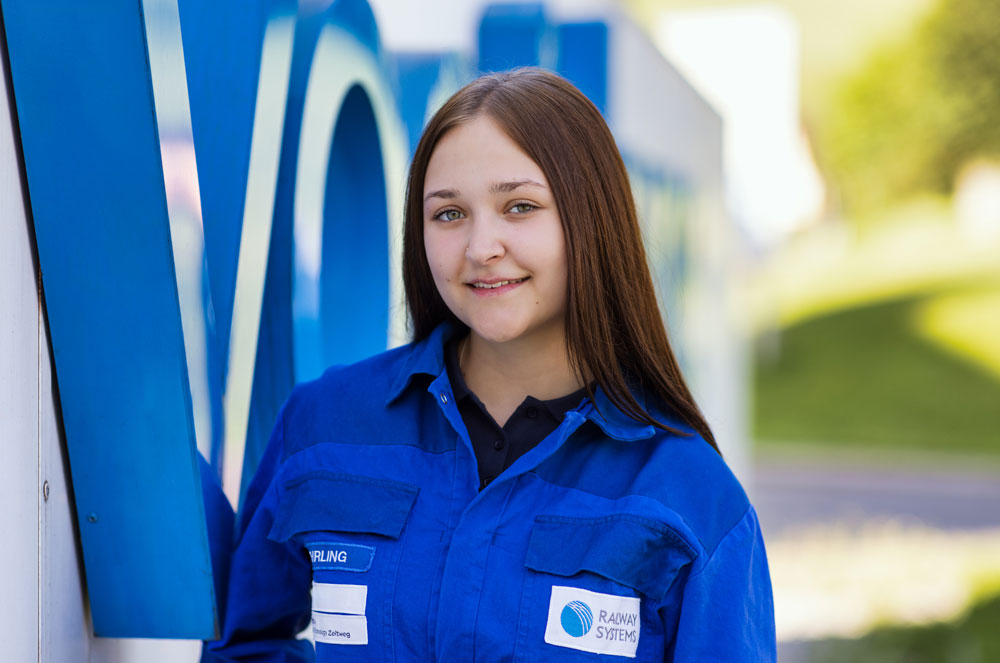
(869, 377)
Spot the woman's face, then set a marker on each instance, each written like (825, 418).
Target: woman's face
(493, 236)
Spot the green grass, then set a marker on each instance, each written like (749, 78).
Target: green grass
(864, 378)
(972, 639)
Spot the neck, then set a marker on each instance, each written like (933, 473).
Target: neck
(503, 374)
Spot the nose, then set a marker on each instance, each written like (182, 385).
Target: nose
(486, 242)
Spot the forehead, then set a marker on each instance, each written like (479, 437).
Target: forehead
(478, 153)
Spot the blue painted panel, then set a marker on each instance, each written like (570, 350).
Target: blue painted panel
(418, 74)
(273, 377)
(238, 57)
(354, 283)
(85, 110)
(425, 81)
(274, 373)
(350, 126)
(357, 17)
(343, 329)
(220, 520)
(583, 59)
(514, 35)
(222, 48)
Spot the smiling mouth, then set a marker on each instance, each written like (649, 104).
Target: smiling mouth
(498, 284)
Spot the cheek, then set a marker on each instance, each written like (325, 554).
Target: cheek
(440, 257)
(559, 263)
(556, 256)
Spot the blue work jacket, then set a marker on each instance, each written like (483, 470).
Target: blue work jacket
(610, 540)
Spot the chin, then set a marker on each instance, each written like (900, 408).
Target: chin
(496, 336)
(501, 332)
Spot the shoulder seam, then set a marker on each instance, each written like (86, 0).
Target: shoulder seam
(718, 544)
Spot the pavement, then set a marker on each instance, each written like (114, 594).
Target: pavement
(812, 502)
(791, 493)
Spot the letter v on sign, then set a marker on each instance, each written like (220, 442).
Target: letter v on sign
(255, 238)
(173, 116)
(109, 164)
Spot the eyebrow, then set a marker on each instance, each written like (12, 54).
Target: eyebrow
(507, 187)
(447, 194)
(496, 187)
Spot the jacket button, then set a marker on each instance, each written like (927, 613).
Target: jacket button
(498, 445)
(444, 398)
(532, 412)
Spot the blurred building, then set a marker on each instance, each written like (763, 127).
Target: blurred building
(174, 256)
(746, 62)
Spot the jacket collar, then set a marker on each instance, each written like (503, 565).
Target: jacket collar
(426, 357)
(615, 423)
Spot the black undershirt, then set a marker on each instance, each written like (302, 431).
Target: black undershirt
(497, 447)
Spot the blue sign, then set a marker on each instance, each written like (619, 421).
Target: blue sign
(217, 190)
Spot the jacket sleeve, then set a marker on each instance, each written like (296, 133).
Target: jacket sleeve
(268, 601)
(727, 613)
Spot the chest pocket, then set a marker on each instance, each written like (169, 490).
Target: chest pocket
(351, 527)
(601, 586)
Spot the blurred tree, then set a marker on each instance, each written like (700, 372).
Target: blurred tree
(918, 109)
(963, 41)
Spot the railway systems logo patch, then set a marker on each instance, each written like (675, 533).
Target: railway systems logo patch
(577, 618)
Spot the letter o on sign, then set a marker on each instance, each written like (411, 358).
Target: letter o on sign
(347, 209)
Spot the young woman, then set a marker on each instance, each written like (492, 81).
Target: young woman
(530, 478)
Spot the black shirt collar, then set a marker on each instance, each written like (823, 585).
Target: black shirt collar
(557, 407)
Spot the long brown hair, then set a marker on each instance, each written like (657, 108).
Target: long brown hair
(614, 333)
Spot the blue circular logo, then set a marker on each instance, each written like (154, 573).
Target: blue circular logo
(576, 618)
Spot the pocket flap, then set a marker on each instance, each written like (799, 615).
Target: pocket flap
(343, 503)
(632, 550)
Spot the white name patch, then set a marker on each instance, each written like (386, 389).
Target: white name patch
(340, 629)
(338, 614)
(346, 599)
(589, 621)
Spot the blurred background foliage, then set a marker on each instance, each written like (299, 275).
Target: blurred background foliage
(917, 111)
(876, 326)
(897, 95)
(974, 638)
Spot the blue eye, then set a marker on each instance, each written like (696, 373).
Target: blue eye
(449, 215)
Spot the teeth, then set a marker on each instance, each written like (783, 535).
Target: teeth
(495, 285)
